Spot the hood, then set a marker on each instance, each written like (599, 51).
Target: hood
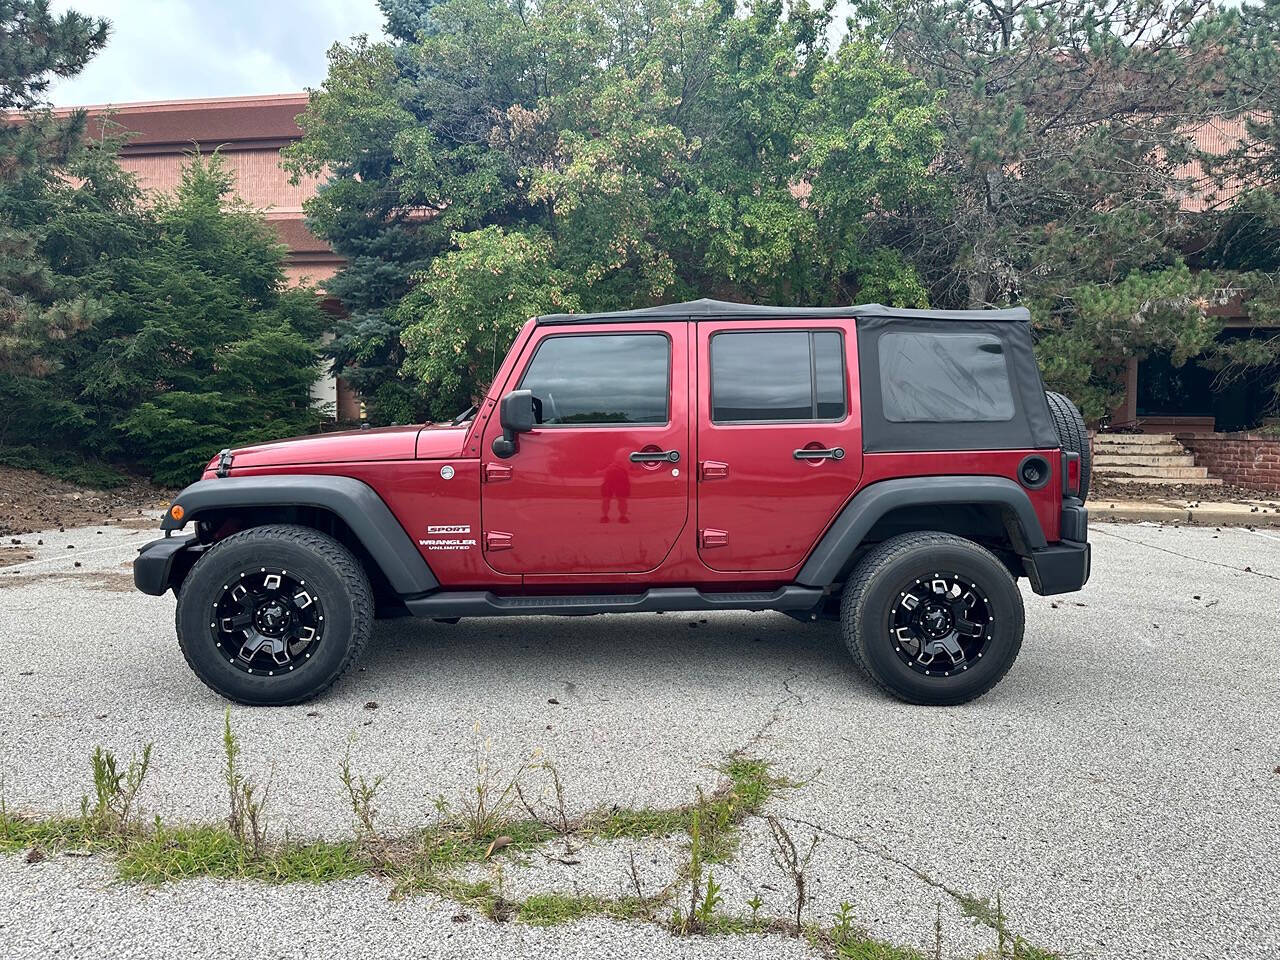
(437, 441)
(349, 446)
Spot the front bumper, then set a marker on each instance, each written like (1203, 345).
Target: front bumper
(164, 563)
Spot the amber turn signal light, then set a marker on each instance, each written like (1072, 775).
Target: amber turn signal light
(177, 512)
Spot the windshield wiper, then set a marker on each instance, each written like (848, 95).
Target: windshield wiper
(464, 416)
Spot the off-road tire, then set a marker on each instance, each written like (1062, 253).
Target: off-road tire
(873, 588)
(1073, 435)
(339, 581)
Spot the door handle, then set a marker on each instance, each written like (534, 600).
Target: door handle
(655, 456)
(714, 470)
(835, 453)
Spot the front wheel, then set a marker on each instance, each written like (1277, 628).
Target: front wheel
(274, 615)
(932, 618)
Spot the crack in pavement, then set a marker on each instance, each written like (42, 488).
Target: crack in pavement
(965, 901)
(776, 714)
(1185, 556)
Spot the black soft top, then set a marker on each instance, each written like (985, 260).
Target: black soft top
(706, 309)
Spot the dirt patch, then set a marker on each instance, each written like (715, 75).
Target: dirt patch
(10, 555)
(113, 581)
(30, 501)
(1101, 489)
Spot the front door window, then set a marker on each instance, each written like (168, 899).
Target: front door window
(598, 380)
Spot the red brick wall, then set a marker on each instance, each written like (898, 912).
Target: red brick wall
(1245, 459)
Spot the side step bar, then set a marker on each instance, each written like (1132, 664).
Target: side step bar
(480, 603)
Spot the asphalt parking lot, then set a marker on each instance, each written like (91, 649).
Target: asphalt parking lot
(1119, 790)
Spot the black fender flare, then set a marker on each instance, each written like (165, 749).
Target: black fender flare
(351, 500)
(860, 514)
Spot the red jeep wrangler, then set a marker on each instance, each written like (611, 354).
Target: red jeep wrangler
(895, 469)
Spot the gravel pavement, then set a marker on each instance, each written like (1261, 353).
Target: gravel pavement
(1118, 790)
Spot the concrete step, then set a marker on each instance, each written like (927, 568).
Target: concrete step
(1165, 481)
(1138, 449)
(1131, 439)
(1144, 460)
(1176, 474)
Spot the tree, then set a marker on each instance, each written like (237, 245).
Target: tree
(471, 303)
(204, 345)
(195, 341)
(1243, 246)
(35, 47)
(581, 152)
(154, 331)
(1067, 165)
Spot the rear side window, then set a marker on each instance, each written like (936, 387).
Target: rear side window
(776, 375)
(944, 377)
(594, 380)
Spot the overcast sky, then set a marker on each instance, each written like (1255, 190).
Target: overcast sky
(172, 49)
(167, 49)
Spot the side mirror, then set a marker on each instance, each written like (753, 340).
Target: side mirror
(516, 415)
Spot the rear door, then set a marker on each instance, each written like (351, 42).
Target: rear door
(602, 484)
(779, 439)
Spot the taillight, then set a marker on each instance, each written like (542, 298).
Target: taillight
(1070, 474)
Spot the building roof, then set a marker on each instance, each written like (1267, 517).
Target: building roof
(706, 309)
(174, 125)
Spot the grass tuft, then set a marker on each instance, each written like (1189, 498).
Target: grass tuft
(214, 851)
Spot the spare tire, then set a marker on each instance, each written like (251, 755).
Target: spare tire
(1072, 434)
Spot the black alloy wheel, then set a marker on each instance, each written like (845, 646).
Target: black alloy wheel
(932, 618)
(267, 620)
(940, 624)
(274, 615)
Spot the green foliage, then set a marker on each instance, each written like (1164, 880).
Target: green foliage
(36, 306)
(70, 466)
(552, 909)
(1084, 342)
(1067, 166)
(500, 158)
(115, 791)
(194, 342)
(156, 332)
(204, 346)
(505, 158)
(469, 306)
(36, 46)
(177, 853)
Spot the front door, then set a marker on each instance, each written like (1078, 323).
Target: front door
(779, 440)
(601, 485)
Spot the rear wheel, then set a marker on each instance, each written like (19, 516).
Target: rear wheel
(274, 615)
(1072, 435)
(932, 618)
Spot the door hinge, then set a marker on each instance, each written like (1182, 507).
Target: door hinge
(714, 470)
(496, 540)
(711, 537)
(496, 472)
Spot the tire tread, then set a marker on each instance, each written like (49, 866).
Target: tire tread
(1072, 434)
(330, 551)
(861, 581)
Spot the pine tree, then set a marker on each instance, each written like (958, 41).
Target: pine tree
(1067, 167)
(35, 147)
